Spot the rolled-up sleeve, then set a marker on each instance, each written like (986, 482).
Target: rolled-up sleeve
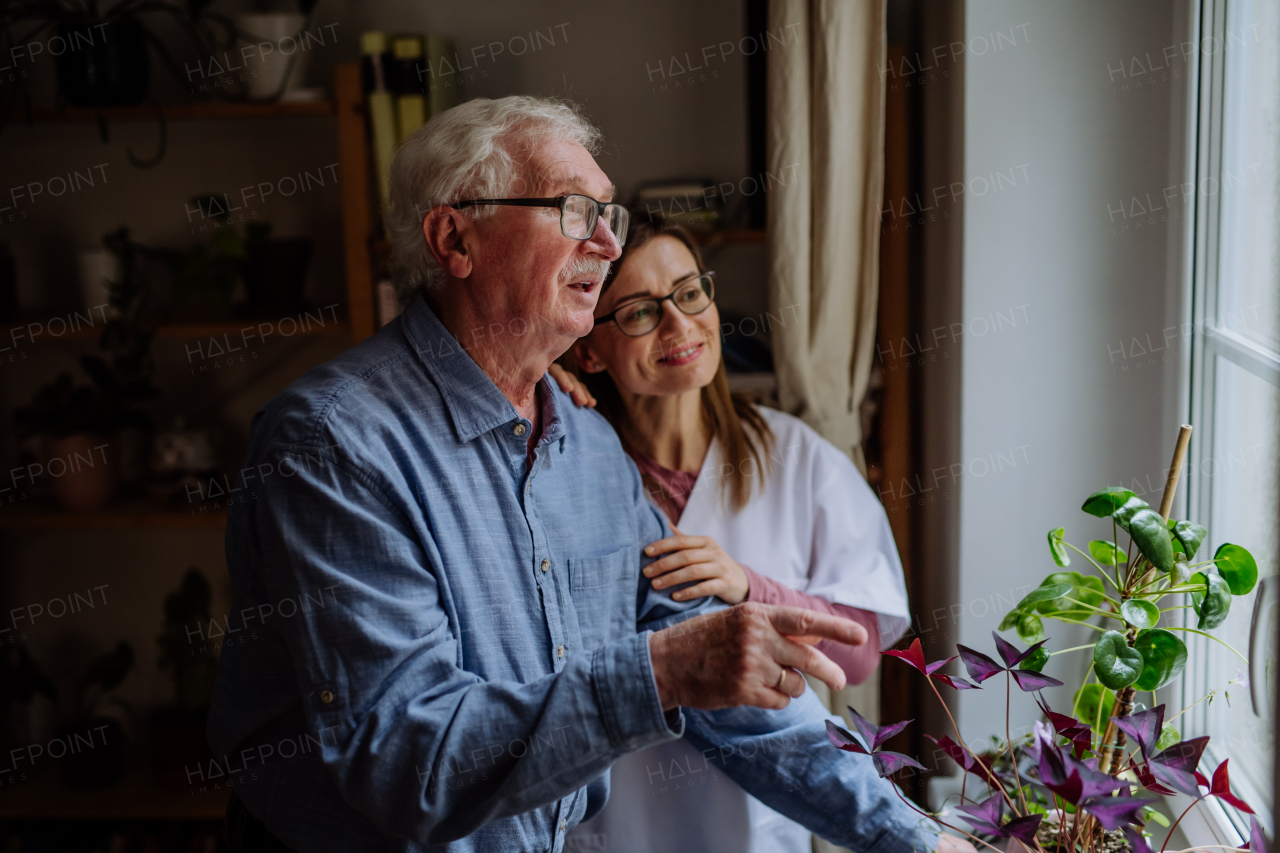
(382, 669)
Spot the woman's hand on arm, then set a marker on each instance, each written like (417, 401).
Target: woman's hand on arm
(696, 558)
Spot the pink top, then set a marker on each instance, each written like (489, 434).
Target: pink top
(670, 489)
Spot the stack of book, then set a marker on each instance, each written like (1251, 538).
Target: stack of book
(693, 203)
(405, 84)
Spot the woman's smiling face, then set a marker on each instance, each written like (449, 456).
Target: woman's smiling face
(681, 354)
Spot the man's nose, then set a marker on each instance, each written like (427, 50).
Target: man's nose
(604, 242)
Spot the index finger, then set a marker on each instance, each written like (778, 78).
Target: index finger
(672, 543)
(796, 622)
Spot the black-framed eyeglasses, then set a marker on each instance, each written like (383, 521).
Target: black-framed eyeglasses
(578, 213)
(691, 296)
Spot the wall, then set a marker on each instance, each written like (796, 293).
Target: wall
(1070, 139)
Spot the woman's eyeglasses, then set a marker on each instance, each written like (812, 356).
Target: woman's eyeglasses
(692, 296)
(578, 213)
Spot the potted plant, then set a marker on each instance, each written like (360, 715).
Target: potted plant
(93, 756)
(178, 730)
(1074, 785)
(274, 271)
(80, 425)
(102, 49)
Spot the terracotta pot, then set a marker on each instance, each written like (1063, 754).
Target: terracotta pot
(82, 470)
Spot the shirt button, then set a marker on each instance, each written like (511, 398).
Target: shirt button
(519, 429)
(559, 651)
(326, 696)
(546, 565)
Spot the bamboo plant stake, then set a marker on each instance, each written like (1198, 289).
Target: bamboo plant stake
(1113, 740)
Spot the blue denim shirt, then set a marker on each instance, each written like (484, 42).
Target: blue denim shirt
(443, 647)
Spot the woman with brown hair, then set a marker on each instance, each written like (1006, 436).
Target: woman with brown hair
(756, 481)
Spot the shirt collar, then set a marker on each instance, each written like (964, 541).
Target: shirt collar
(475, 404)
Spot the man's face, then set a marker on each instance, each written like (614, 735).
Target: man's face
(536, 278)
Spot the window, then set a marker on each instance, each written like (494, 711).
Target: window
(1235, 375)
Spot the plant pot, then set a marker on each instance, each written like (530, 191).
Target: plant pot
(179, 744)
(92, 759)
(279, 62)
(104, 65)
(81, 470)
(276, 275)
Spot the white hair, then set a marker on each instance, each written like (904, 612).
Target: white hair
(475, 150)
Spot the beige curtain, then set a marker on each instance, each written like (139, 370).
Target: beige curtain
(826, 136)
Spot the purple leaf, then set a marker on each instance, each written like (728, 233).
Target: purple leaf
(1144, 727)
(1221, 788)
(1137, 841)
(1115, 812)
(1257, 839)
(1183, 756)
(883, 733)
(1029, 680)
(1148, 780)
(955, 682)
(888, 763)
(979, 666)
(958, 754)
(938, 664)
(1179, 780)
(1008, 651)
(1024, 828)
(842, 739)
(985, 816)
(1071, 789)
(865, 727)
(1060, 722)
(914, 655)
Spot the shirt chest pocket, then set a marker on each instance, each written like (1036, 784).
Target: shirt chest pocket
(603, 590)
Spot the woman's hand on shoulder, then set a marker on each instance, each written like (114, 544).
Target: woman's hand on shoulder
(696, 558)
(572, 386)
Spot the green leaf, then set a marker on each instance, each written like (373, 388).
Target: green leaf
(1168, 737)
(1030, 628)
(1044, 592)
(1115, 663)
(1214, 603)
(1057, 549)
(1010, 620)
(1085, 705)
(1036, 660)
(1140, 613)
(1131, 507)
(1181, 570)
(1237, 567)
(1189, 535)
(1107, 501)
(1151, 813)
(1164, 656)
(1147, 529)
(1106, 552)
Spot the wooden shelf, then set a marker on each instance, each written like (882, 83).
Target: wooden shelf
(199, 110)
(134, 797)
(201, 330)
(132, 514)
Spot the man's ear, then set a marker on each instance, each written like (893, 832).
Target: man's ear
(446, 231)
(585, 357)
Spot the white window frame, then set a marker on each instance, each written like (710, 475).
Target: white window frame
(1210, 823)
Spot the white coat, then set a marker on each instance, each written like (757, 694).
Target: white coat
(817, 527)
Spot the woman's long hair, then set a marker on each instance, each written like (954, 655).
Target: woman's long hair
(743, 432)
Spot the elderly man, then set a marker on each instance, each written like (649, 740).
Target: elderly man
(471, 643)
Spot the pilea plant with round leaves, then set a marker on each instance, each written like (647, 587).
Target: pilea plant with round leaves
(1072, 786)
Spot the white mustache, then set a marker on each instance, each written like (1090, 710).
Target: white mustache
(581, 267)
